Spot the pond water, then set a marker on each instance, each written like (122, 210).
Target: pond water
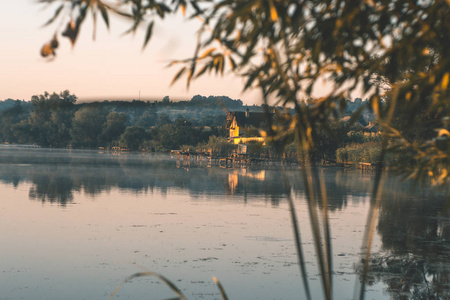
(74, 224)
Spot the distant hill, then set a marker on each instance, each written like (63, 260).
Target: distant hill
(209, 110)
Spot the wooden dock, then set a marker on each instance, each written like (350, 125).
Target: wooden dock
(185, 158)
(234, 161)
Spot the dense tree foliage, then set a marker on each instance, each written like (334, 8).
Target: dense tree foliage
(87, 126)
(133, 137)
(113, 127)
(9, 120)
(50, 120)
(57, 121)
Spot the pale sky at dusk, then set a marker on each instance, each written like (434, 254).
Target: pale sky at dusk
(112, 67)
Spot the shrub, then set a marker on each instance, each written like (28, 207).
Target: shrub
(219, 146)
(355, 153)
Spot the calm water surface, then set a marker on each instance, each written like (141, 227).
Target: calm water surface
(75, 224)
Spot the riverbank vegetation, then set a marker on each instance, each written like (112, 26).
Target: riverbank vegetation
(58, 121)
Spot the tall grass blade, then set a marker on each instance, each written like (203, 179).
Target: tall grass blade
(326, 224)
(368, 238)
(172, 286)
(303, 147)
(370, 225)
(308, 171)
(320, 188)
(298, 243)
(219, 285)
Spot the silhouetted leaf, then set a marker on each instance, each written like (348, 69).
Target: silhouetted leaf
(104, 14)
(178, 75)
(207, 52)
(232, 62)
(172, 286)
(203, 70)
(148, 34)
(57, 12)
(71, 31)
(47, 50)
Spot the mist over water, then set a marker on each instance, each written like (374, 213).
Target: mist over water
(74, 224)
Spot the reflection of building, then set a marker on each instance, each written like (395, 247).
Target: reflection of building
(244, 127)
(233, 178)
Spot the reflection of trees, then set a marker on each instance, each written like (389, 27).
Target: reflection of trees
(345, 185)
(410, 277)
(55, 175)
(51, 188)
(415, 235)
(11, 175)
(408, 224)
(94, 173)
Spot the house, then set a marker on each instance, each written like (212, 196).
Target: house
(244, 127)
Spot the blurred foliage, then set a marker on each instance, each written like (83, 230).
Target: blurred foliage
(356, 153)
(395, 52)
(359, 137)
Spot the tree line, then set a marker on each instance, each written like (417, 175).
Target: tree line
(56, 120)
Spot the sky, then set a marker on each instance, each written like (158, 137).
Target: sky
(110, 68)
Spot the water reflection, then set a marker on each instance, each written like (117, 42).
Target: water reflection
(415, 235)
(55, 175)
(414, 227)
(51, 188)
